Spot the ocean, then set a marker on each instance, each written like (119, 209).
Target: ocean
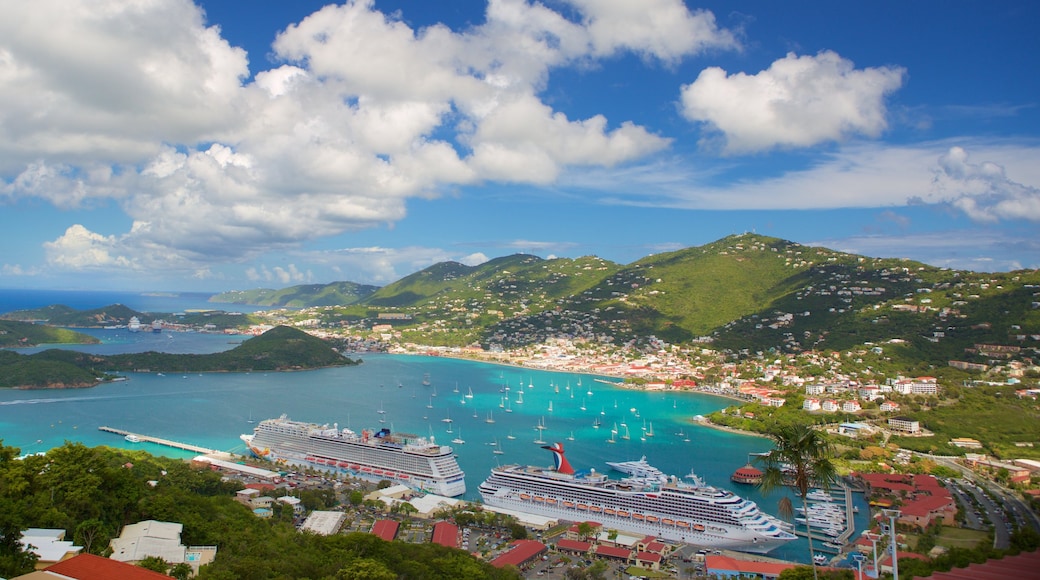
(213, 410)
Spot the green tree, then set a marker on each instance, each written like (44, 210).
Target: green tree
(155, 564)
(365, 569)
(182, 571)
(92, 536)
(801, 458)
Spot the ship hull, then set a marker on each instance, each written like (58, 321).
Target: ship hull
(731, 539)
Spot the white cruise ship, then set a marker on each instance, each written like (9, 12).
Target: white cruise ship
(693, 513)
(414, 461)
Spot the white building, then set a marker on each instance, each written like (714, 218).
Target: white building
(811, 405)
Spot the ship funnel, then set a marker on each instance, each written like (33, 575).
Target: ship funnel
(562, 465)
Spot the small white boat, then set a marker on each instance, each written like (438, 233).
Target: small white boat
(131, 438)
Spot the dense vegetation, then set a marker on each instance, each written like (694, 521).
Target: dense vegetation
(92, 492)
(21, 334)
(279, 349)
(336, 293)
(747, 293)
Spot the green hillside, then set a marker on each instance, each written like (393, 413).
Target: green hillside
(60, 315)
(279, 349)
(336, 293)
(14, 334)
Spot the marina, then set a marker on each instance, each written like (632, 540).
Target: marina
(211, 410)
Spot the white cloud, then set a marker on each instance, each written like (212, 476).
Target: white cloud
(799, 101)
(142, 103)
(665, 29)
(983, 191)
(81, 249)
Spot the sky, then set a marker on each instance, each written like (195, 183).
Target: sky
(220, 145)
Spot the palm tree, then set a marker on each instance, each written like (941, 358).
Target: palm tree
(801, 459)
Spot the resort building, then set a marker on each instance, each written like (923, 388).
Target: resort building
(904, 424)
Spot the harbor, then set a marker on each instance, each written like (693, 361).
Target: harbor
(139, 438)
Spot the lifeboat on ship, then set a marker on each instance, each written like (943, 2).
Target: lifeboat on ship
(568, 504)
(595, 508)
(698, 527)
(609, 511)
(682, 524)
(525, 496)
(622, 513)
(344, 464)
(550, 501)
(639, 516)
(652, 519)
(668, 522)
(582, 506)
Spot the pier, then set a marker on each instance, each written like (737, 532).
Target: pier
(160, 441)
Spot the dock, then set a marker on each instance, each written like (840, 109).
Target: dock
(160, 441)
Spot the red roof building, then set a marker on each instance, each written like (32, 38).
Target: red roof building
(578, 546)
(725, 567)
(522, 552)
(91, 567)
(446, 534)
(385, 529)
(612, 552)
(648, 560)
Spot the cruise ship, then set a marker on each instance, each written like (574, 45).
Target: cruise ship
(414, 461)
(675, 510)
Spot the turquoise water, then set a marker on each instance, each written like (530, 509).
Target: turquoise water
(212, 410)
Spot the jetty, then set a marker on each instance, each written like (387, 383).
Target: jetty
(160, 441)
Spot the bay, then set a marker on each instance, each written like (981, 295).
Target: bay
(214, 409)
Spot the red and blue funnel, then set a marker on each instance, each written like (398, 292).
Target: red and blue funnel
(562, 465)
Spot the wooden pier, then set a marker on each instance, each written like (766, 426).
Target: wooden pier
(160, 441)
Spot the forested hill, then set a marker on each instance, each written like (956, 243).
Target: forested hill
(279, 349)
(336, 293)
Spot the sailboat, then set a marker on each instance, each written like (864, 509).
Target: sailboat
(550, 406)
(510, 436)
(519, 397)
(625, 436)
(381, 411)
(596, 423)
(447, 418)
(538, 438)
(426, 379)
(458, 440)
(430, 405)
(650, 431)
(582, 405)
(434, 393)
(498, 448)
(509, 409)
(541, 424)
(611, 440)
(490, 418)
(456, 389)
(571, 436)
(502, 403)
(469, 395)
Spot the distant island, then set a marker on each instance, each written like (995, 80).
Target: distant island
(279, 349)
(14, 333)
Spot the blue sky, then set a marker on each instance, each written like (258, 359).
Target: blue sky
(171, 145)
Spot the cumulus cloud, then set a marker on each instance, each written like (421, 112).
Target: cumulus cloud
(983, 190)
(798, 101)
(144, 104)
